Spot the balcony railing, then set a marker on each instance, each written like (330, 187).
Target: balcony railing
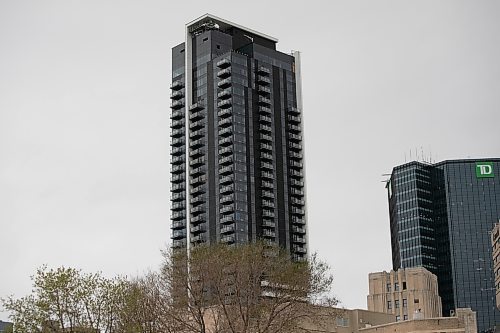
(264, 101)
(227, 189)
(224, 104)
(294, 118)
(267, 184)
(227, 219)
(266, 137)
(226, 131)
(176, 105)
(294, 128)
(295, 146)
(224, 72)
(264, 80)
(226, 170)
(224, 151)
(263, 70)
(266, 156)
(199, 105)
(268, 175)
(268, 233)
(196, 134)
(265, 110)
(226, 93)
(196, 162)
(177, 187)
(176, 85)
(266, 146)
(298, 239)
(196, 190)
(177, 159)
(178, 225)
(268, 223)
(227, 179)
(263, 90)
(198, 219)
(298, 230)
(177, 123)
(227, 229)
(265, 118)
(197, 152)
(177, 244)
(197, 124)
(200, 238)
(198, 228)
(198, 209)
(225, 113)
(227, 209)
(299, 249)
(178, 234)
(226, 199)
(177, 196)
(197, 180)
(223, 63)
(228, 239)
(268, 203)
(266, 128)
(296, 173)
(267, 194)
(177, 115)
(176, 95)
(226, 160)
(268, 213)
(196, 115)
(177, 205)
(267, 166)
(224, 83)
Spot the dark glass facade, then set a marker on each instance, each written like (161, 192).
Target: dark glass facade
(237, 156)
(441, 218)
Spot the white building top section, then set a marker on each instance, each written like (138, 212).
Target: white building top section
(224, 25)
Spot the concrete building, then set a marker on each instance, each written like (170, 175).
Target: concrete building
(237, 168)
(464, 321)
(441, 217)
(495, 242)
(410, 293)
(4, 326)
(363, 321)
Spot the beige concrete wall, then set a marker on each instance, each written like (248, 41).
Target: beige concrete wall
(465, 322)
(412, 293)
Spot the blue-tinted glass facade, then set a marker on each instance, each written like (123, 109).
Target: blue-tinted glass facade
(441, 218)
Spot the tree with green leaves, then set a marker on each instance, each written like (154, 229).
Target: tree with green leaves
(67, 300)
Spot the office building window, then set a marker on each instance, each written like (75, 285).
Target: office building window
(343, 322)
(405, 303)
(389, 305)
(396, 304)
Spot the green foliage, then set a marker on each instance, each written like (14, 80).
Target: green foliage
(65, 299)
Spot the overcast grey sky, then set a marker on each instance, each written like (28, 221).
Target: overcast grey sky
(84, 121)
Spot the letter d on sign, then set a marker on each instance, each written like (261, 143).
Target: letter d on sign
(484, 170)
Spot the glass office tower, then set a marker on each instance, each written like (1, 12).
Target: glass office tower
(441, 216)
(237, 167)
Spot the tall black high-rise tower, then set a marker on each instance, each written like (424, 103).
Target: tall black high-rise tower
(441, 218)
(237, 162)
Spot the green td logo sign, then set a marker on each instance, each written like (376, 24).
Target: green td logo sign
(484, 170)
